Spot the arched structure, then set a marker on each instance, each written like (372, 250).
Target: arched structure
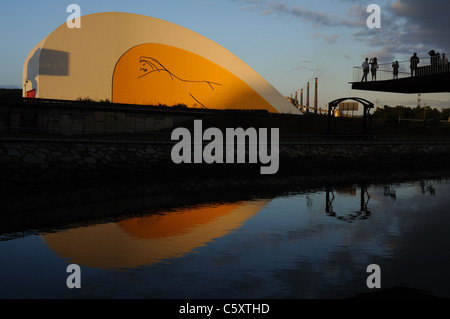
(366, 115)
(135, 59)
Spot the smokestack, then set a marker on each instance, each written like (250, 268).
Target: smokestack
(301, 98)
(296, 99)
(307, 98)
(315, 98)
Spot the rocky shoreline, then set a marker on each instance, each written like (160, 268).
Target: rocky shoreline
(38, 161)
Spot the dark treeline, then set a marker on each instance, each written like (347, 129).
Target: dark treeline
(416, 113)
(16, 93)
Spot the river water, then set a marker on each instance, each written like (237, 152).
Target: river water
(300, 241)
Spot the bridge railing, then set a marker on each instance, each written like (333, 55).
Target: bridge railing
(385, 71)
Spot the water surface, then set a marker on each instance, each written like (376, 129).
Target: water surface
(301, 243)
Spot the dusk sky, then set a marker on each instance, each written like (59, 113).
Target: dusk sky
(288, 42)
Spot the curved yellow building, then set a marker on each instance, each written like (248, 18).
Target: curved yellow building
(135, 59)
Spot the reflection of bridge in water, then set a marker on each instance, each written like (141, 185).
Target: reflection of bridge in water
(363, 212)
(426, 186)
(430, 76)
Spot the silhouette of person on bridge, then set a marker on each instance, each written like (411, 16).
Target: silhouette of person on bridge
(374, 66)
(444, 63)
(395, 66)
(365, 67)
(434, 60)
(414, 62)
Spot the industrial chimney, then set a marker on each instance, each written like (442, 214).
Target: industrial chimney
(307, 98)
(301, 98)
(315, 98)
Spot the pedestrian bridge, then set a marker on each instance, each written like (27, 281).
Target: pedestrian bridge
(429, 77)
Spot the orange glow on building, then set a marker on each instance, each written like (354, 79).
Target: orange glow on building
(155, 74)
(134, 59)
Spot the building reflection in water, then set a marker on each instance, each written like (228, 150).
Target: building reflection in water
(141, 241)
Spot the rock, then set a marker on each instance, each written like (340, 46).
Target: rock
(31, 159)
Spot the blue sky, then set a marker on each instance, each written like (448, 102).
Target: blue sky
(288, 42)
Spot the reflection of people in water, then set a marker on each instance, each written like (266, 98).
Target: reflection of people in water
(427, 188)
(364, 202)
(329, 203)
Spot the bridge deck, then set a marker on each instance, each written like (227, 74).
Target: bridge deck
(433, 83)
(425, 75)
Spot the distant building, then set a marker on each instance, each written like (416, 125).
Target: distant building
(348, 107)
(135, 59)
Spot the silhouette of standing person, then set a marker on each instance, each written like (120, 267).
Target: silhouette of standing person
(434, 60)
(438, 62)
(414, 61)
(395, 66)
(444, 62)
(365, 67)
(374, 66)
